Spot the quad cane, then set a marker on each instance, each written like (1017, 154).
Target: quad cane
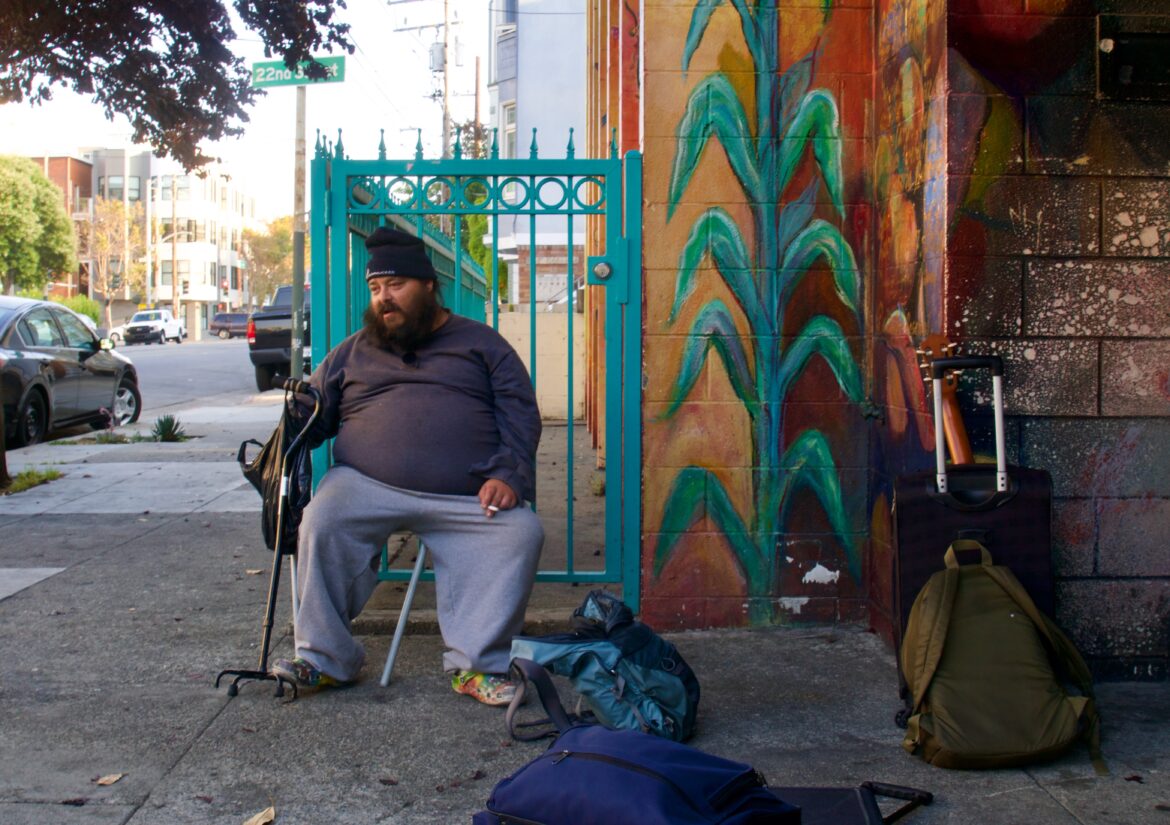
(261, 673)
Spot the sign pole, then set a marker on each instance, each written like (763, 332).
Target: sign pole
(296, 365)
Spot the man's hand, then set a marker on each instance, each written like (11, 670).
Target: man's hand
(496, 495)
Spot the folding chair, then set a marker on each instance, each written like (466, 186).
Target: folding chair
(408, 599)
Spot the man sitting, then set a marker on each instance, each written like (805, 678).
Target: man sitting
(436, 427)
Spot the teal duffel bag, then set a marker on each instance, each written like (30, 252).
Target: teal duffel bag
(627, 675)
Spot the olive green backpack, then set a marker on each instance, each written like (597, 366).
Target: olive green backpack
(987, 673)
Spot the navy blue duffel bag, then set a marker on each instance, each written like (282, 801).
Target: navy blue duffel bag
(591, 774)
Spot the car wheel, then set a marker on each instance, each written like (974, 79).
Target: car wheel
(127, 403)
(264, 375)
(178, 339)
(224, 334)
(115, 339)
(162, 337)
(33, 420)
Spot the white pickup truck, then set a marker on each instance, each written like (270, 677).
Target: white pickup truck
(151, 325)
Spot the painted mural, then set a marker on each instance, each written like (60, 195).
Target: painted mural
(782, 140)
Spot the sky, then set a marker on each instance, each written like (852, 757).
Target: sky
(388, 85)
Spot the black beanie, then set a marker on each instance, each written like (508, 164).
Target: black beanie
(397, 253)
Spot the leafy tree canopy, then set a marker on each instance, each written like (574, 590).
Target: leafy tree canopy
(269, 256)
(165, 64)
(36, 235)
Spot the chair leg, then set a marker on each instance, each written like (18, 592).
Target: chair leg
(400, 630)
(292, 572)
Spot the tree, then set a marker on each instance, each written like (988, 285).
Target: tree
(36, 235)
(269, 256)
(167, 66)
(475, 142)
(114, 244)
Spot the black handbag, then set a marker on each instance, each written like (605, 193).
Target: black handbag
(264, 472)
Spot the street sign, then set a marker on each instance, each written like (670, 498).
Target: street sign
(275, 73)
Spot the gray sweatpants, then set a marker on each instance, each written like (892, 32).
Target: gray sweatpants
(484, 569)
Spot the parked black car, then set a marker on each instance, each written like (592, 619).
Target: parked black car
(229, 324)
(55, 372)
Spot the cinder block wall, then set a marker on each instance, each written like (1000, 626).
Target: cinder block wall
(1058, 199)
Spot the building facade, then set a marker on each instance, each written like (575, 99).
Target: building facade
(194, 226)
(536, 96)
(994, 172)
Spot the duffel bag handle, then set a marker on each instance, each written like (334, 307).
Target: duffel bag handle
(530, 673)
(912, 796)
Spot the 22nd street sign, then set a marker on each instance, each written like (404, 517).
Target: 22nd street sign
(275, 73)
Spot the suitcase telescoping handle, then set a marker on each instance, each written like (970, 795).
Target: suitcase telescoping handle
(938, 368)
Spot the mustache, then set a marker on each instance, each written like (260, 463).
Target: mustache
(386, 306)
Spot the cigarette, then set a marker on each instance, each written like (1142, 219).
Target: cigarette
(493, 508)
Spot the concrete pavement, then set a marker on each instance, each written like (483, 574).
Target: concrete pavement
(127, 585)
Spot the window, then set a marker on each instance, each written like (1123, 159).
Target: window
(114, 192)
(509, 120)
(166, 267)
(77, 335)
(134, 190)
(183, 188)
(39, 330)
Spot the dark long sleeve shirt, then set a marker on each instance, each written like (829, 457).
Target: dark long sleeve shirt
(443, 418)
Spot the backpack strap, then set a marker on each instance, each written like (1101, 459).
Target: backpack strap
(936, 615)
(530, 674)
(911, 798)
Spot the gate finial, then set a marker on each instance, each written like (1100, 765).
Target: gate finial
(457, 150)
(418, 147)
(569, 150)
(495, 143)
(532, 148)
(382, 145)
(613, 152)
(319, 147)
(339, 149)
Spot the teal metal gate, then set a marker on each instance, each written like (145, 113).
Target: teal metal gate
(449, 201)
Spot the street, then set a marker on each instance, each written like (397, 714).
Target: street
(171, 375)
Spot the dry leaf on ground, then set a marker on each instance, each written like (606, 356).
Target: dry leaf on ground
(264, 817)
(110, 778)
(253, 571)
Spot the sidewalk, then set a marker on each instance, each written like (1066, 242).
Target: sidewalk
(126, 586)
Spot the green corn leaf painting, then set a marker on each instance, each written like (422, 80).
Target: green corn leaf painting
(695, 493)
(713, 327)
(714, 109)
(789, 244)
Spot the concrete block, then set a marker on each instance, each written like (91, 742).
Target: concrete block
(1116, 618)
(1074, 537)
(1136, 378)
(1042, 376)
(1084, 136)
(1134, 534)
(985, 132)
(984, 297)
(1135, 217)
(1114, 458)
(1097, 298)
(1022, 215)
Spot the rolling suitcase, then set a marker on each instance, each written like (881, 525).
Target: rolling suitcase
(1007, 509)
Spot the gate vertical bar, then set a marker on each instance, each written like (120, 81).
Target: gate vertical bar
(571, 424)
(631, 444)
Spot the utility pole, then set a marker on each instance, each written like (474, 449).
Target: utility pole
(446, 82)
(174, 249)
(296, 356)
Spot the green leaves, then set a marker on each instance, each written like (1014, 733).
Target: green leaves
(810, 464)
(820, 239)
(821, 336)
(695, 493)
(36, 233)
(716, 233)
(713, 109)
(817, 119)
(713, 327)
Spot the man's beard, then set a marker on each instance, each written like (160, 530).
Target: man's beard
(417, 324)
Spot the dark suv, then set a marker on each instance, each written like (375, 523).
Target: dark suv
(229, 324)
